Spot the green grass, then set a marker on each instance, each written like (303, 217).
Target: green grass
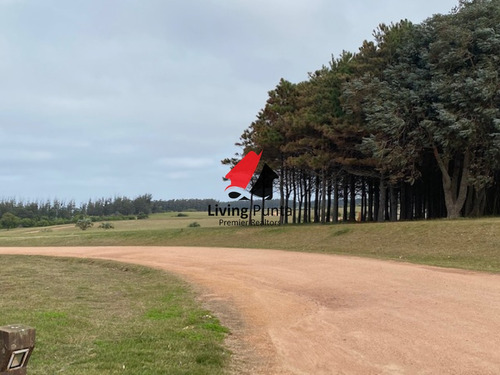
(468, 244)
(98, 317)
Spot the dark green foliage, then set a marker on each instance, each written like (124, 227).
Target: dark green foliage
(410, 123)
(9, 221)
(39, 214)
(84, 224)
(177, 205)
(113, 218)
(106, 226)
(119, 206)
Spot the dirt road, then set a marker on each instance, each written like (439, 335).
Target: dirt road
(296, 313)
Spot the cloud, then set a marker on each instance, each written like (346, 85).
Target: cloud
(26, 156)
(128, 97)
(186, 162)
(182, 175)
(10, 178)
(10, 2)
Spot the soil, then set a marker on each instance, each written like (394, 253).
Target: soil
(299, 313)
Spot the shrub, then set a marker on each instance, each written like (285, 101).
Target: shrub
(194, 225)
(106, 226)
(27, 222)
(42, 223)
(180, 214)
(142, 216)
(9, 221)
(84, 224)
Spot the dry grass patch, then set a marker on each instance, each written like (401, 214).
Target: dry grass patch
(469, 244)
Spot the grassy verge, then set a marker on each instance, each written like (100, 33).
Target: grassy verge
(468, 244)
(95, 317)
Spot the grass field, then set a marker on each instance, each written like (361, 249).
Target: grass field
(96, 317)
(467, 244)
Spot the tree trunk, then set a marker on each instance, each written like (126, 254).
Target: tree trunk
(475, 203)
(370, 200)
(301, 198)
(352, 194)
(329, 201)
(381, 201)
(363, 200)
(251, 209)
(323, 196)
(282, 190)
(309, 201)
(293, 176)
(288, 194)
(306, 201)
(344, 208)
(336, 200)
(317, 203)
(454, 186)
(394, 203)
(405, 203)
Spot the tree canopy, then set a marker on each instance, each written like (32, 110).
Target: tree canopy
(409, 124)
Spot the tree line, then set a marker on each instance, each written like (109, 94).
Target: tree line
(410, 124)
(14, 213)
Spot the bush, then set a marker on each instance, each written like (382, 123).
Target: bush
(106, 226)
(180, 214)
(9, 221)
(42, 223)
(84, 224)
(194, 225)
(27, 223)
(142, 216)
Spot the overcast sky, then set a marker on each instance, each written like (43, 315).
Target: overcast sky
(104, 98)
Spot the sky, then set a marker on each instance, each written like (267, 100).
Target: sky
(108, 98)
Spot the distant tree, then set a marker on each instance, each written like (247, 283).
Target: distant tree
(9, 221)
(142, 204)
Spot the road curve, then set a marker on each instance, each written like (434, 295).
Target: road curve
(297, 313)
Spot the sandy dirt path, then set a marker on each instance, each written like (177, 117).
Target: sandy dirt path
(297, 313)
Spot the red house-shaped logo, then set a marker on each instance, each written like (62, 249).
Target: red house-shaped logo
(241, 175)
